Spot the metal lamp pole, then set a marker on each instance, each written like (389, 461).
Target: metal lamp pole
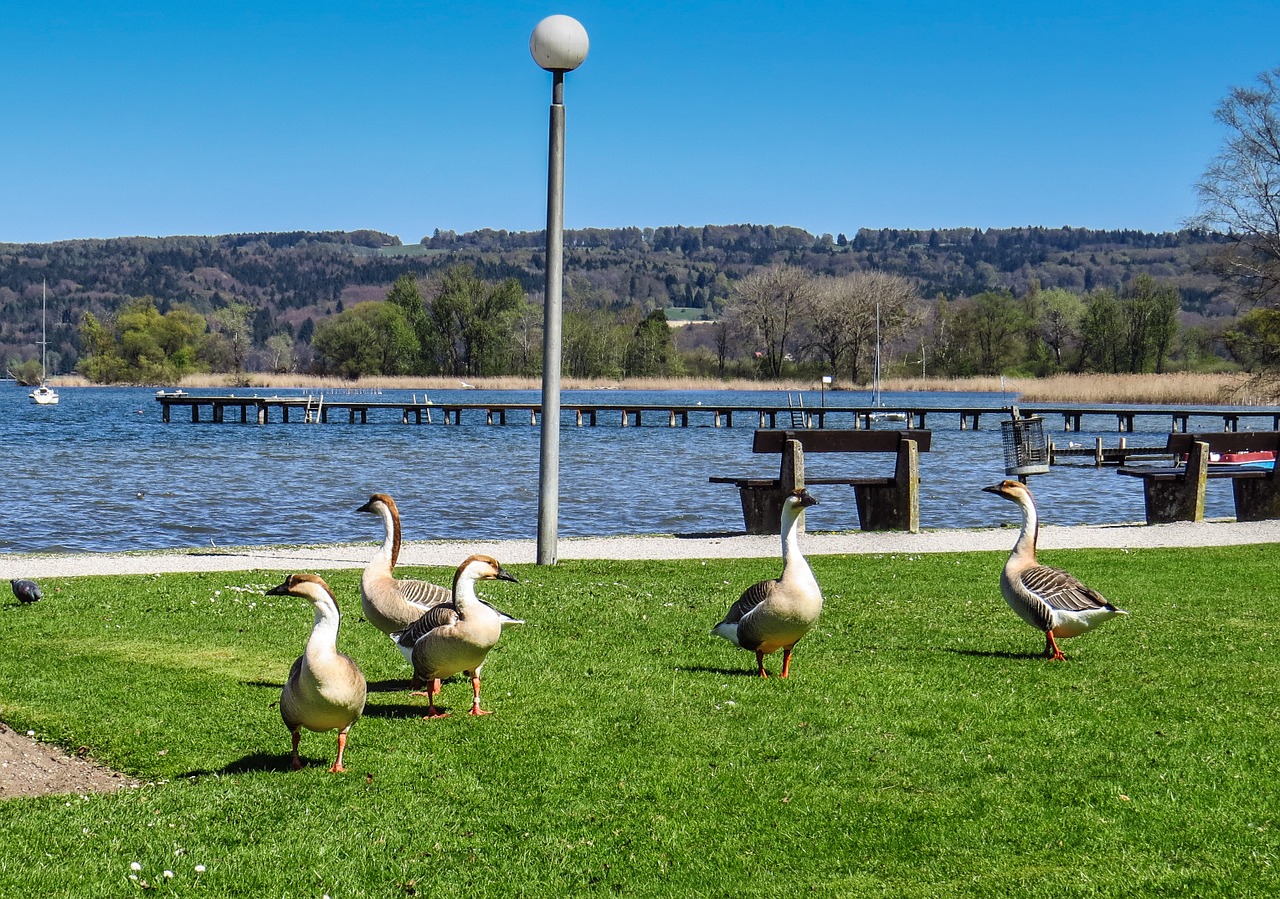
(558, 44)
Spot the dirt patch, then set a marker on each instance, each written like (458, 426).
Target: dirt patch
(31, 768)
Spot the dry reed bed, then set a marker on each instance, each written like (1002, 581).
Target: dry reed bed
(1177, 388)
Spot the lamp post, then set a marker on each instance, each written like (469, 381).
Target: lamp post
(558, 44)
(826, 379)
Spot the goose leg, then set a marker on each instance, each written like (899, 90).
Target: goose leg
(430, 693)
(297, 762)
(760, 664)
(1051, 650)
(475, 697)
(342, 745)
(786, 659)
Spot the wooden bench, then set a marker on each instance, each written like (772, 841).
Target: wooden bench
(889, 503)
(1176, 492)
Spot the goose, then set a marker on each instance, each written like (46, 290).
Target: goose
(325, 689)
(775, 614)
(27, 591)
(389, 603)
(1046, 598)
(457, 636)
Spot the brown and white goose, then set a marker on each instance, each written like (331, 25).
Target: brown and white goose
(775, 614)
(325, 689)
(1048, 599)
(392, 604)
(456, 637)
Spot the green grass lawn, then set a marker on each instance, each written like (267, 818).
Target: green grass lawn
(921, 746)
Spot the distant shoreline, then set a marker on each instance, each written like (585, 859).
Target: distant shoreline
(1175, 388)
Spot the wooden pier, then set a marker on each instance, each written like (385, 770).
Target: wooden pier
(320, 408)
(1101, 455)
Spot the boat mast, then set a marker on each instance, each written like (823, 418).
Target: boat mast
(875, 374)
(44, 342)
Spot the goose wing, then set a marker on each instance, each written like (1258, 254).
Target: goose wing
(750, 598)
(288, 704)
(1061, 590)
(440, 615)
(423, 593)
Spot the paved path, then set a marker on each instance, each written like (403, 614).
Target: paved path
(521, 552)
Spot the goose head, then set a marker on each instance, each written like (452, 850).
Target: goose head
(382, 505)
(482, 568)
(377, 503)
(309, 587)
(1013, 491)
(800, 498)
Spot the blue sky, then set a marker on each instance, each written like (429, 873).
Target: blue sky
(139, 117)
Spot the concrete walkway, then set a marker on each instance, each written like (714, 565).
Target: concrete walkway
(522, 552)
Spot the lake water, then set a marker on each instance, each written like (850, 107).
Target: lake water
(102, 472)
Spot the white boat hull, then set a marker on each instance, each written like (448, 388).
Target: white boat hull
(44, 396)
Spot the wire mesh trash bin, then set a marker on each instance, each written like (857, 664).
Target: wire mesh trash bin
(1026, 451)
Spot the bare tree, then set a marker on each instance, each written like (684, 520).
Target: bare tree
(1240, 190)
(769, 302)
(845, 312)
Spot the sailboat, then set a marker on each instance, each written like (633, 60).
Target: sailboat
(44, 395)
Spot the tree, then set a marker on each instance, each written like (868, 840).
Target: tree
(1060, 314)
(846, 314)
(230, 338)
(471, 322)
(992, 324)
(1240, 190)
(371, 338)
(1099, 333)
(1150, 313)
(405, 295)
(768, 302)
(142, 345)
(280, 352)
(652, 351)
(1254, 341)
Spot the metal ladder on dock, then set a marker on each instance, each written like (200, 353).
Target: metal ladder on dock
(312, 416)
(799, 419)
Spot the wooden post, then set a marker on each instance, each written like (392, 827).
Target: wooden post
(896, 506)
(1181, 498)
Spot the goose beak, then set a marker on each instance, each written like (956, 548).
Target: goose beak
(504, 575)
(367, 507)
(279, 590)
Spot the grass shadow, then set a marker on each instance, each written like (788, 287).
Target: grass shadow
(397, 710)
(724, 672)
(257, 762)
(995, 654)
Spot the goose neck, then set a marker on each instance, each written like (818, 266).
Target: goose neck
(390, 551)
(324, 632)
(1026, 545)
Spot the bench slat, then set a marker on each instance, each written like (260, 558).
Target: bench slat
(841, 440)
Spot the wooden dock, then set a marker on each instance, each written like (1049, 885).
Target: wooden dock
(320, 408)
(1101, 455)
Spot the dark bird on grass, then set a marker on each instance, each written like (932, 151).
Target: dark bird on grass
(25, 590)
(775, 614)
(456, 636)
(1048, 599)
(325, 689)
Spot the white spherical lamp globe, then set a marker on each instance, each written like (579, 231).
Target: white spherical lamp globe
(559, 43)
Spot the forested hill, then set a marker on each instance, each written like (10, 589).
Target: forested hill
(300, 276)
